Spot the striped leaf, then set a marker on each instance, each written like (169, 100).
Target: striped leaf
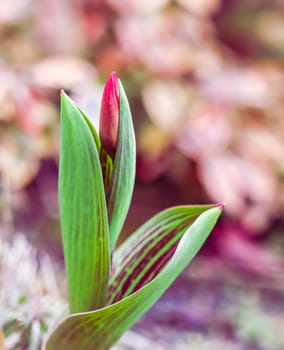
(83, 212)
(100, 329)
(142, 256)
(123, 176)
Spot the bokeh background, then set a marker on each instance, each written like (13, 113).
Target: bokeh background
(205, 81)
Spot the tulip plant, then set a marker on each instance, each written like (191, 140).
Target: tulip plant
(110, 287)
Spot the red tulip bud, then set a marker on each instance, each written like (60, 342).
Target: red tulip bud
(109, 115)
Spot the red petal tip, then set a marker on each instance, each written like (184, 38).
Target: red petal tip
(113, 74)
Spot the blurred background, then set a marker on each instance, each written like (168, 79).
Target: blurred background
(205, 81)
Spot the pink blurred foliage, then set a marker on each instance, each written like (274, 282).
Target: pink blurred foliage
(204, 78)
(168, 43)
(235, 244)
(249, 189)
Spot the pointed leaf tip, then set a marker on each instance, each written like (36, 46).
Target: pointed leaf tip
(66, 101)
(221, 206)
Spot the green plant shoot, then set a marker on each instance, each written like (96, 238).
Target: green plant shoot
(111, 287)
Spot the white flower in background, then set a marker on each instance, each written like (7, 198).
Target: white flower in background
(31, 298)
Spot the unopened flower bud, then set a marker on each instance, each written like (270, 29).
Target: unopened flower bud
(109, 115)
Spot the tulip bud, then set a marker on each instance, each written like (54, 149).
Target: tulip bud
(109, 115)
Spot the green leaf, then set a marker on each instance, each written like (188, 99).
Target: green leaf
(122, 182)
(83, 212)
(105, 160)
(142, 256)
(92, 129)
(100, 329)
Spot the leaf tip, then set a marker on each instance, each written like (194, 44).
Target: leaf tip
(63, 96)
(221, 206)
